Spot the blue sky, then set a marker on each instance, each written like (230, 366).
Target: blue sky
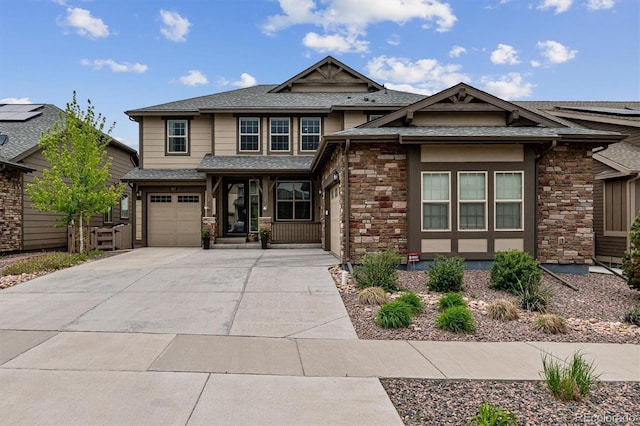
(126, 54)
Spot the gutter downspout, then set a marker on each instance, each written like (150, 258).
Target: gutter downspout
(629, 197)
(554, 143)
(347, 213)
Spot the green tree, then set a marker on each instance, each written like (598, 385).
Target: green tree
(631, 259)
(77, 182)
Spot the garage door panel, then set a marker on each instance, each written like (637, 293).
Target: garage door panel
(174, 220)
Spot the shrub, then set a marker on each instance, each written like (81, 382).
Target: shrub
(550, 324)
(373, 296)
(492, 415)
(533, 296)
(510, 268)
(502, 310)
(446, 274)
(569, 380)
(450, 300)
(378, 269)
(457, 319)
(633, 316)
(394, 315)
(414, 302)
(48, 262)
(631, 259)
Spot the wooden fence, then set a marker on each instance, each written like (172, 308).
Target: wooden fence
(115, 238)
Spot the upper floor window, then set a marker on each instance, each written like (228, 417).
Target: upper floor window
(436, 197)
(310, 132)
(472, 200)
(279, 134)
(374, 116)
(249, 134)
(177, 133)
(509, 201)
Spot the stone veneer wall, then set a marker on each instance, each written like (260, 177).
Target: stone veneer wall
(378, 195)
(10, 210)
(565, 206)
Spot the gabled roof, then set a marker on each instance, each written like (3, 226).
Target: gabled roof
(260, 99)
(622, 156)
(328, 71)
(24, 135)
(463, 97)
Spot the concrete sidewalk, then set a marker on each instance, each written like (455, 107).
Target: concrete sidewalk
(184, 336)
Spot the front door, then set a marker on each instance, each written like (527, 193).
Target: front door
(241, 207)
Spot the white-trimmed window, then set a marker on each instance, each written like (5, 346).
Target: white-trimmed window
(472, 201)
(249, 134)
(177, 133)
(108, 215)
(293, 200)
(310, 133)
(124, 207)
(279, 134)
(509, 201)
(436, 201)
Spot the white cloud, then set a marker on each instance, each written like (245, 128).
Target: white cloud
(536, 64)
(555, 52)
(15, 101)
(510, 86)
(559, 5)
(85, 24)
(174, 27)
(425, 76)
(394, 40)
(505, 54)
(98, 64)
(349, 19)
(194, 78)
(246, 80)
(600, 4)
(335, 43)
(456, 51)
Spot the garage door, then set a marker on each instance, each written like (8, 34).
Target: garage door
(334, 218)
(173, 220)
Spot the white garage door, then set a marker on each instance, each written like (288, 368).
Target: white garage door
(334, 218)
(173, 220)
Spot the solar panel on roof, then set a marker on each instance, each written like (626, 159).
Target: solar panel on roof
(602, 110)
(18, 116)
(19, 107)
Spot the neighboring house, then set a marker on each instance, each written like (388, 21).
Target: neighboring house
(331, 156)
(21, 226)
(616, 169)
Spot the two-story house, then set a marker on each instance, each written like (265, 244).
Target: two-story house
(331, 156)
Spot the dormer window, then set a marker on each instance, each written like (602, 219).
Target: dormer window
(177, 136)
(249, 134)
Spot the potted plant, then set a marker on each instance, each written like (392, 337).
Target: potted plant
(206, 237)
(264, 237)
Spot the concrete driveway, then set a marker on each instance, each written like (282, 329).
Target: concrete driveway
(274, 293)
(180, 336)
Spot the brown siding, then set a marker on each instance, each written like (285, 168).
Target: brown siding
(41, 230)
(490, 236)
(10, 210)
(607, 246)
